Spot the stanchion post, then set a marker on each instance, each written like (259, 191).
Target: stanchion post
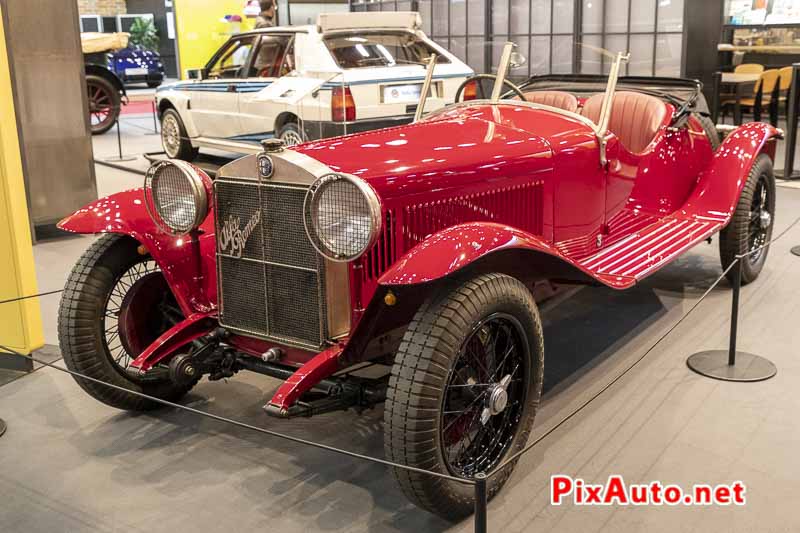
(722, 364)
(481, 503)
(121, 157)
(119, 140)
(737, 285)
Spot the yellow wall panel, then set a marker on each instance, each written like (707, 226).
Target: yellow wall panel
(20, 322)
(201, 31)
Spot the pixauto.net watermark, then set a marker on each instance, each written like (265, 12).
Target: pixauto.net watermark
(565, 489)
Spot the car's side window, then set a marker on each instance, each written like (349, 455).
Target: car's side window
(270, 58)
(232, 60)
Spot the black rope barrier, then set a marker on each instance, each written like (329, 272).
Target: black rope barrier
(647, 352)
(12, 300)
(238, 423)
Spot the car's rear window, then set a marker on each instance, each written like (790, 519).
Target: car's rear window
(384, 49)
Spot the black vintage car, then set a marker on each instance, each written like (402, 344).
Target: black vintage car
(105, 92)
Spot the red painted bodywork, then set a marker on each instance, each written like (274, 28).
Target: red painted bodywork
(467, 185)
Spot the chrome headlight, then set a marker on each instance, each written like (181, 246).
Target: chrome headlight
(342, 216)
(175, 196)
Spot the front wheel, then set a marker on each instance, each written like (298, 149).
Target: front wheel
(464, 390)
(750, 228)
(174, 139)
(115, 304)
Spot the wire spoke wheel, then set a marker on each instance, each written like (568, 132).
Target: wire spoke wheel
(760, 225)
(751, 225)
(113, 336)
(464, 390)
(171, 135)
(115, 305)
(484, 397)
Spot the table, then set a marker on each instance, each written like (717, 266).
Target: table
(742, 85)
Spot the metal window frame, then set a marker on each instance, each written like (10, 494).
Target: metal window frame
(98, 18)
(490, 33)
(134, 16)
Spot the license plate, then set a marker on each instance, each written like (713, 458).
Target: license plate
(401, 93)
(136, 71)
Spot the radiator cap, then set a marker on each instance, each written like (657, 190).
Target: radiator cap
(273, 145)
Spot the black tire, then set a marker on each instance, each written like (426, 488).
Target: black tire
(420, 385)
(104, 101)
(174, 139)
(292, 134)
(710, 128)
(746, 230)
(81, 327)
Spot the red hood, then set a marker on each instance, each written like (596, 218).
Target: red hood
(438, 154)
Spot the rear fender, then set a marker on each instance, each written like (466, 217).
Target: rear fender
(107, 75)
(188, 262)
(718, 188)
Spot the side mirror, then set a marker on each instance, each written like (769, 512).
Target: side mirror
(198, 74)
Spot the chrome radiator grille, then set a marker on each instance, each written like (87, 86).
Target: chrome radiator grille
(271, 281)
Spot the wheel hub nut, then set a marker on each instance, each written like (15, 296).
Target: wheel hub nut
(498, 400)
(765, 219)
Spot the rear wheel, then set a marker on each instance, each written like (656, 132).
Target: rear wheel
(751, 226)
(104, 104)
(116, 302)
(174, 139)
(464, 390)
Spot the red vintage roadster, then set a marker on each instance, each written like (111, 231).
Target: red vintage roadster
(416, 247)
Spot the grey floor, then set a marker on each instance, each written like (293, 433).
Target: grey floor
(68, 463)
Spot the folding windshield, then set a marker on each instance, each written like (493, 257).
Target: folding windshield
(379, 49)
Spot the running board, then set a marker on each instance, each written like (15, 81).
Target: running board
(642, 253)
(227, 146)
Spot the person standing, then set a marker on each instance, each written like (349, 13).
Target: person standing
(269, 14)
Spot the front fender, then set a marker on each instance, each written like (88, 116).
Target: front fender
(718, 188)
(456, 248)
(188, 264)
(180, 101)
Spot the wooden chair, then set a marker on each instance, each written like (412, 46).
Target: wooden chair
(749, 68)
(785, 84)
(765, 92)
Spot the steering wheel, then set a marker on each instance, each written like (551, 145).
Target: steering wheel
(483, 96)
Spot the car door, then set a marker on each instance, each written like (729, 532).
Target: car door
(214, 103)
(273, 58)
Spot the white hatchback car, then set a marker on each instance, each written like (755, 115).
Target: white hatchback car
(351, 72)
